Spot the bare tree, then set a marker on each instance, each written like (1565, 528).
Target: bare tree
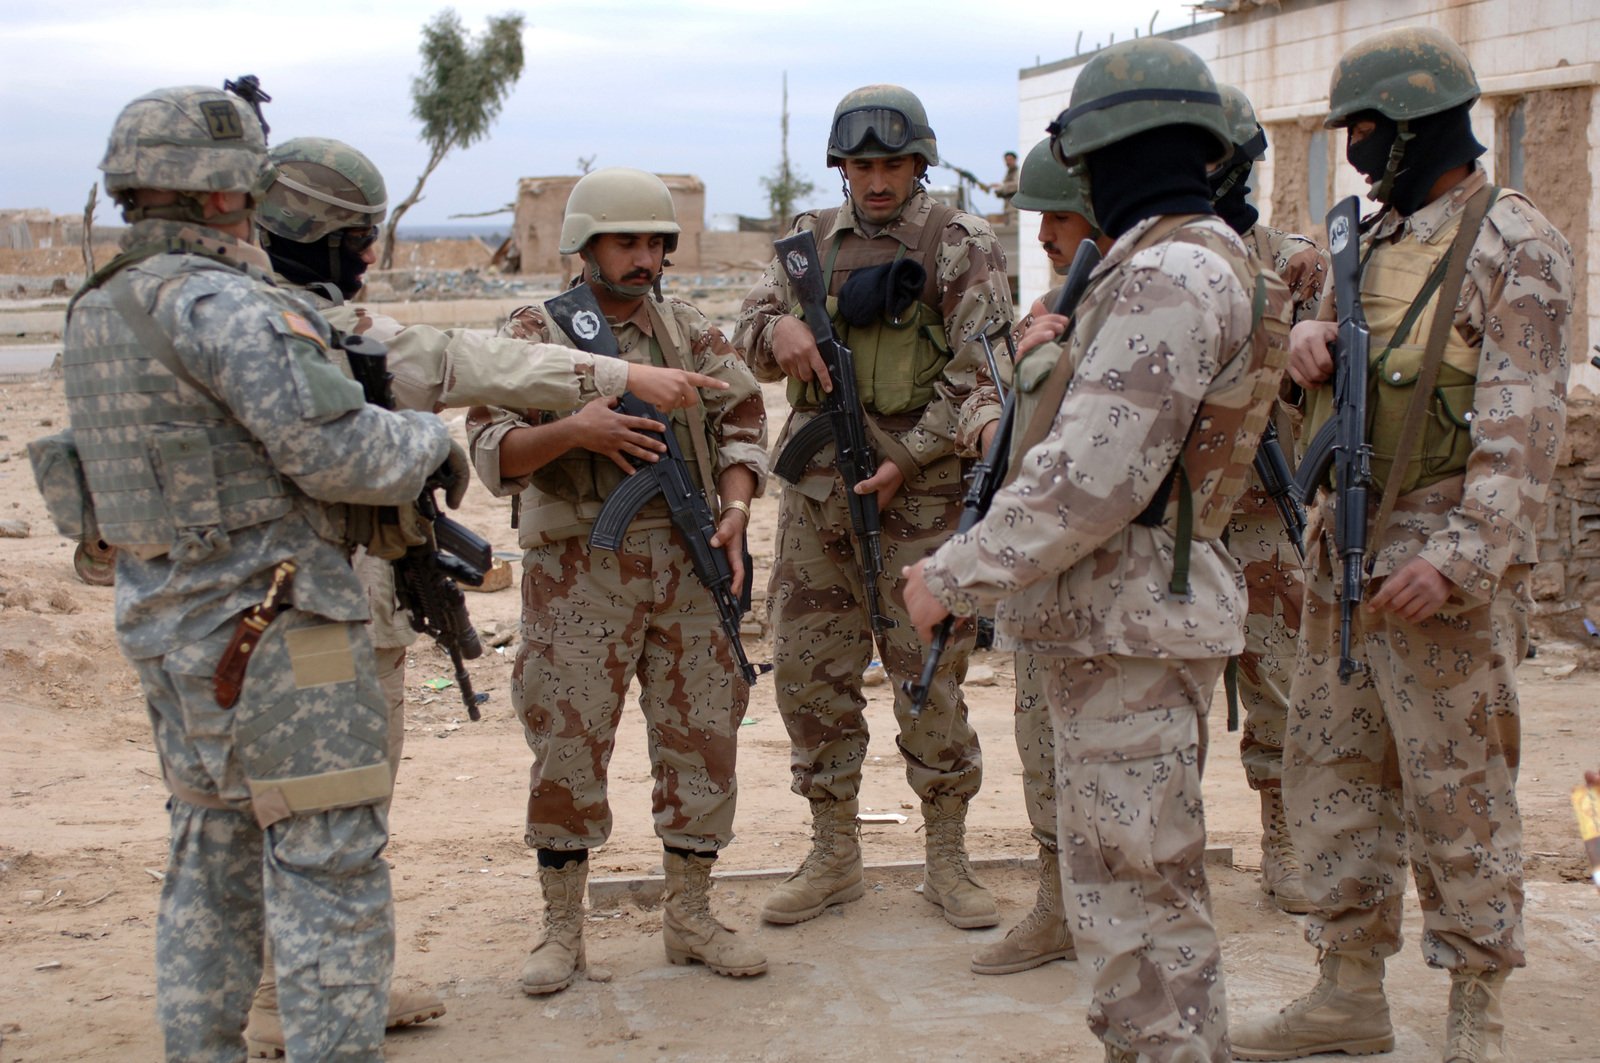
(785, 188)
(463, 85)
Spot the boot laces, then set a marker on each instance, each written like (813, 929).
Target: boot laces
(1467, 1040)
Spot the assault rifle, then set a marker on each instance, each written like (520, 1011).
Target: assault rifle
(990, 473)
(1273, 470)
(840, 420)
(579, 316)
(425, 576)
(1342, 442)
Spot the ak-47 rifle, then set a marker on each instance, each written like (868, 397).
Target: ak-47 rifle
(965, 175)
(990, 473)
(1342, 442)
(1273, 470)
(426, 576)
(840, 420)
(580, 317)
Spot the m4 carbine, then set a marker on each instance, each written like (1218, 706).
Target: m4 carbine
(579, 316)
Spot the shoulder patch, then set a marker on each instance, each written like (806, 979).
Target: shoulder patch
(297, 325)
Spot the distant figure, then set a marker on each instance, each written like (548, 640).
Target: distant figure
(1007, 186)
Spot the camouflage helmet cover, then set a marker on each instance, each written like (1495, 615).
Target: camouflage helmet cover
(318, 187)
(1044, 184)
(896, 119)
(185, 139)
(1249, 139)
(618, 199)
(1136, 85)
(1404, 73)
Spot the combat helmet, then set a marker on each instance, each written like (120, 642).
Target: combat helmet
(320, 187)
(880, 122)
(1404, 73)
(1249, 139)
(1137, 85)
(618, 199)
(1046, 185)
(189, 139)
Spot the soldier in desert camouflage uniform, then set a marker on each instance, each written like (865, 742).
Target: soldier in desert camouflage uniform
(593, 619)
(1104, 554)
(219, 442)
(915, 372)
(1272, 572)
(1418, 754)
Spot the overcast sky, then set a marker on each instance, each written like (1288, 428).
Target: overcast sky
(675, 86)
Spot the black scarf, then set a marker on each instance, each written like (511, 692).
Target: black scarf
(1159, 171)
(317, 261)
(1232, 205)
(1439, 143)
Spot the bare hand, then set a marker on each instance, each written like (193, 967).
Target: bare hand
(1414, 593)
(986, 437)
(794, 348)
(669, 389)
(886, 482)
(924, 610)
(600, 428)
(1046, 328)
(1311, 352)
(730, 537)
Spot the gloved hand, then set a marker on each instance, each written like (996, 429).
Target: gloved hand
(452, 476)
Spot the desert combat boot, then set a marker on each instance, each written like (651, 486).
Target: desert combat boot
(1280, 864)
(1042, 935)
(1475, 1029)
(831, 871)
(558, 957)
(689, 930)
(947, 876)
(1345, 1012)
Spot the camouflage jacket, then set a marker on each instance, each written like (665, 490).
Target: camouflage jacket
(1516, 306)
(736, 417)
(1298, 260)
(436, 369)
(1058, 551)
(263, 354)
(974, 300)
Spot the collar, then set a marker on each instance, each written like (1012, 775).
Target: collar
(212, 240)
(907, 228)
(1427, 222)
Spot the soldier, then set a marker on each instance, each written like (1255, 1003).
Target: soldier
(1104, 552)
(1065, 220)
(915, 369)
(1421, 747)
(1006, 189)
(1259, 677)
(224, 453)
(592, 619)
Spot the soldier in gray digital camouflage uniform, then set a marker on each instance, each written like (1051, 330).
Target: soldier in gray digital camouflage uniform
(1104, 554)
(593, 620)
(915, 371)
(224, 454)
(1416, 756)
(1259, 677)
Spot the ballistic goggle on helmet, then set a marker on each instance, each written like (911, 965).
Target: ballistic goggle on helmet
(881, 121)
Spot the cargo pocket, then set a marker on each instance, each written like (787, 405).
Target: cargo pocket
(1447, 433)
(59, 476)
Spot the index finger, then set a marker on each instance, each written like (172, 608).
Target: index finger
(700, 380)
(820, 368)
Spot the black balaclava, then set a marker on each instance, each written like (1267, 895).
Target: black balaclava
(1434, 145)
(1158, 171)
(1230, 185)
(317, 261)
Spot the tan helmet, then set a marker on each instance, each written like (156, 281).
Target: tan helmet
(618, 199)
(186, 139)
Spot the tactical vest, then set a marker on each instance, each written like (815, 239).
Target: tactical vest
(897, 362)
(1400, 305)
(570, 490)
(168, 468)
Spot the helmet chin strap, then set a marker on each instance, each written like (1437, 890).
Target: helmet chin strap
(1391, 169)
(621, 291)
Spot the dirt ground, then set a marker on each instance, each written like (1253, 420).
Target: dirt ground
(82, 844)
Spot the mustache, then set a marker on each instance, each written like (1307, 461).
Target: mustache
(638, 275)
(1050, 247)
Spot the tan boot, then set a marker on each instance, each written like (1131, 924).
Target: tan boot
(1042, 935)
(689, 930)
(1120, 1055)
(947, 876)
(1345, 1012)
(831, 871)
(263, 1034)
(1280, 865)
(558, 957)
(1475, 1028)
(408, 1007)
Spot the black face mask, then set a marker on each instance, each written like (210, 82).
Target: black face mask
(1233, 184)
(326, 260)
(1437, 144)
(1159, 171)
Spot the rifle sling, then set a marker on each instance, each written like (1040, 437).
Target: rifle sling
(666, 338)
(1433, 354)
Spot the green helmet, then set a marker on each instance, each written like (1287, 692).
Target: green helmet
(881, 122)
(618, 199)
(1249, 139)
(1046, 185)
(320, 186)
(1404, 73)
(187, 139)
(1137, 85)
